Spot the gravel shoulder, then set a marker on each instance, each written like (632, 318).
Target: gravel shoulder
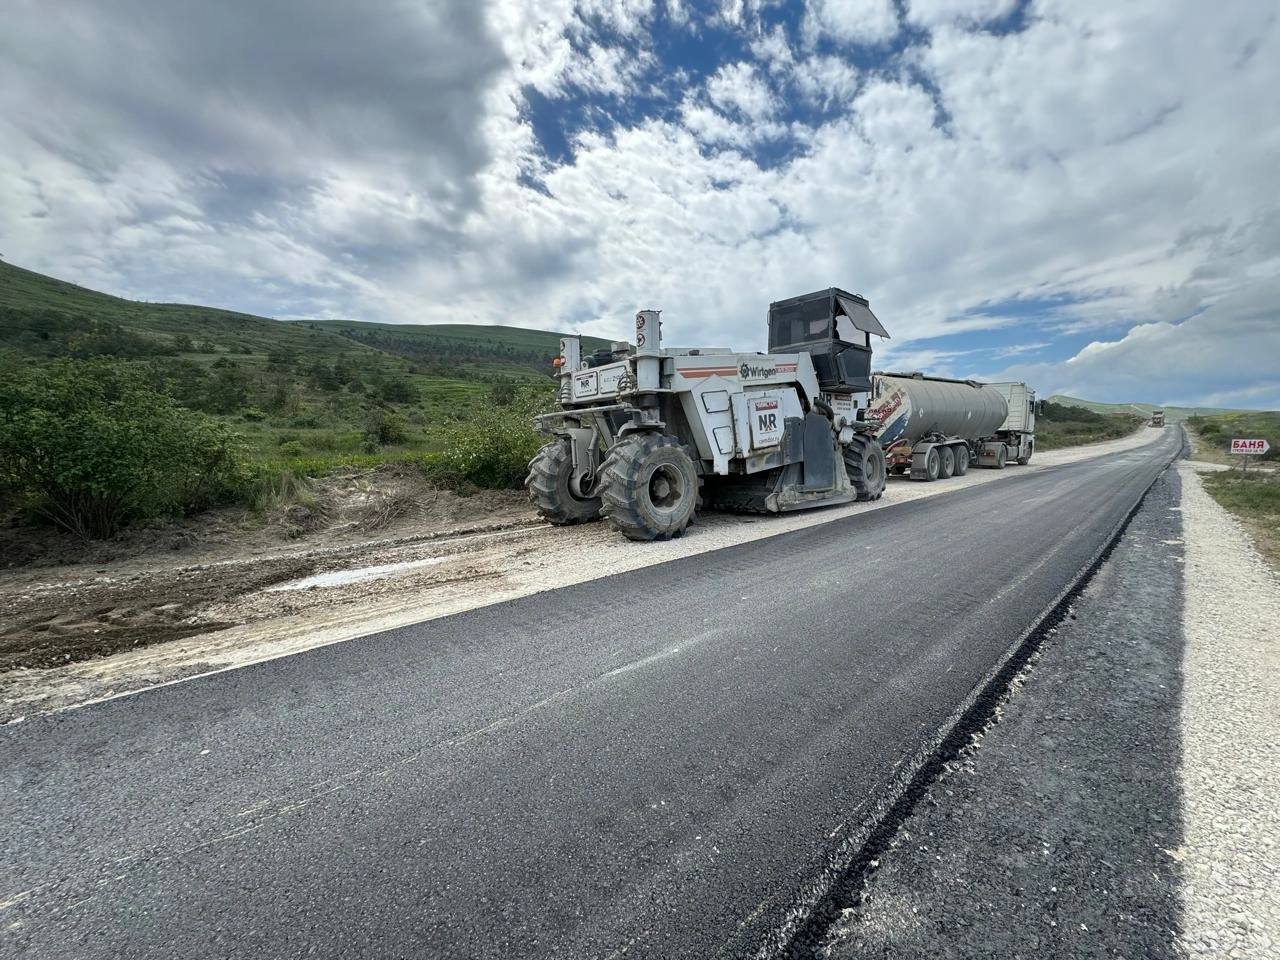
(1230, 718)
(178, 619)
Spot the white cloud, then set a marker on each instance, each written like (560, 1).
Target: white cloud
(851, 21)
(1079, 161)
(936, 13)
(738, 88)
(1223, 356)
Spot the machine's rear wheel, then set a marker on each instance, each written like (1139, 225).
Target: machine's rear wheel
(864, 464)
(1024, 460)
(550, 491)
(649, 487)
(962, 459)
(946, 463)
(1002, 460)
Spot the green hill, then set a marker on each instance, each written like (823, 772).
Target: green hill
(297, 390)
(1144, 409)
(454, 347)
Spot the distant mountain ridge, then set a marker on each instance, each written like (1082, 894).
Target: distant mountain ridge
(47, 317)
(1171, 412)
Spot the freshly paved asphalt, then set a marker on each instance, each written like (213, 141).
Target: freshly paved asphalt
(648, 765)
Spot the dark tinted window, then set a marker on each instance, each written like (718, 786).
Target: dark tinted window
(799, 323)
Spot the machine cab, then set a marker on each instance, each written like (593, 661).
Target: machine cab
(834, 328)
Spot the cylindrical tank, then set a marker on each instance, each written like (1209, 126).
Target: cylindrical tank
(912, 406)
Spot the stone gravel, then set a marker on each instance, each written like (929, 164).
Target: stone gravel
(1230, 723)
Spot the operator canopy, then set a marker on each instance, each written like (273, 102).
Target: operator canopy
(825, 315)
(859, 313)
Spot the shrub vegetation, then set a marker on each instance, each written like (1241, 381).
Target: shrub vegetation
(90, 446)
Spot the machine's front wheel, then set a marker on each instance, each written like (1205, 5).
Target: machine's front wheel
(550, 490)
(1026, 458)
(864, 464)
(649, 487)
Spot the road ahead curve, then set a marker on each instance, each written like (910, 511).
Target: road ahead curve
(649, 765)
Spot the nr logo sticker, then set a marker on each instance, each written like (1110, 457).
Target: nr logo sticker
(766, 422)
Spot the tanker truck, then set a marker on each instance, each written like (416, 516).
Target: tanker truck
(935, 427)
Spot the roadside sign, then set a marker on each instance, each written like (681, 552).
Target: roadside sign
(1245, 448)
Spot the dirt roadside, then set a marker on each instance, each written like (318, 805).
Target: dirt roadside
(79, 632)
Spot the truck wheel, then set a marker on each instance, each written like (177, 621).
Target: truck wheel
(962, 459)
(932, 465)
(1002, 460)
(549, 490)
(649, 487)
(946, 463)
(864, 465)
(1026, 457)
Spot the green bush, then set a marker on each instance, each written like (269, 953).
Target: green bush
(493, 447)
(90, 446)
(384, 427)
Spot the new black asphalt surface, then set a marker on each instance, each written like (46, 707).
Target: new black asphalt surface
(1056, 837)
(657, 764)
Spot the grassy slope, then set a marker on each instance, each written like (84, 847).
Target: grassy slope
(470, 349)
(1066, 425)
(448, 370)
(1142, 409)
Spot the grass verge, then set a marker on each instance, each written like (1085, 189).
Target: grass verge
(1254, 497)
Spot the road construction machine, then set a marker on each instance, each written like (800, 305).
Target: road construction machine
(645, 433)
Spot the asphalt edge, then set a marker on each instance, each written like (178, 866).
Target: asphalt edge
(818, 908)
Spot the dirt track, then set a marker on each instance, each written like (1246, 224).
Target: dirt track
(210, 609)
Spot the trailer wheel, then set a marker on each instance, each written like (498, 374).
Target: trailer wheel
(932, 465)
(864, 465)
(1026, 458)
(649, 487)
(962, 459)
(550, 491)
(946, 463)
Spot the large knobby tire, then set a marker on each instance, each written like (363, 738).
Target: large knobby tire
(1024, 460)
(962, 459)
(946, 463)
(865, 467)
(549, 489)
(649, 487)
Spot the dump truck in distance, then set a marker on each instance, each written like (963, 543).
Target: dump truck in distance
(1157, 418)
(935, 427)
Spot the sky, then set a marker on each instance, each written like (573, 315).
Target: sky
(1083, 194)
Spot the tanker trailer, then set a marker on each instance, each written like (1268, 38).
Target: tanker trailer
(932, 426)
